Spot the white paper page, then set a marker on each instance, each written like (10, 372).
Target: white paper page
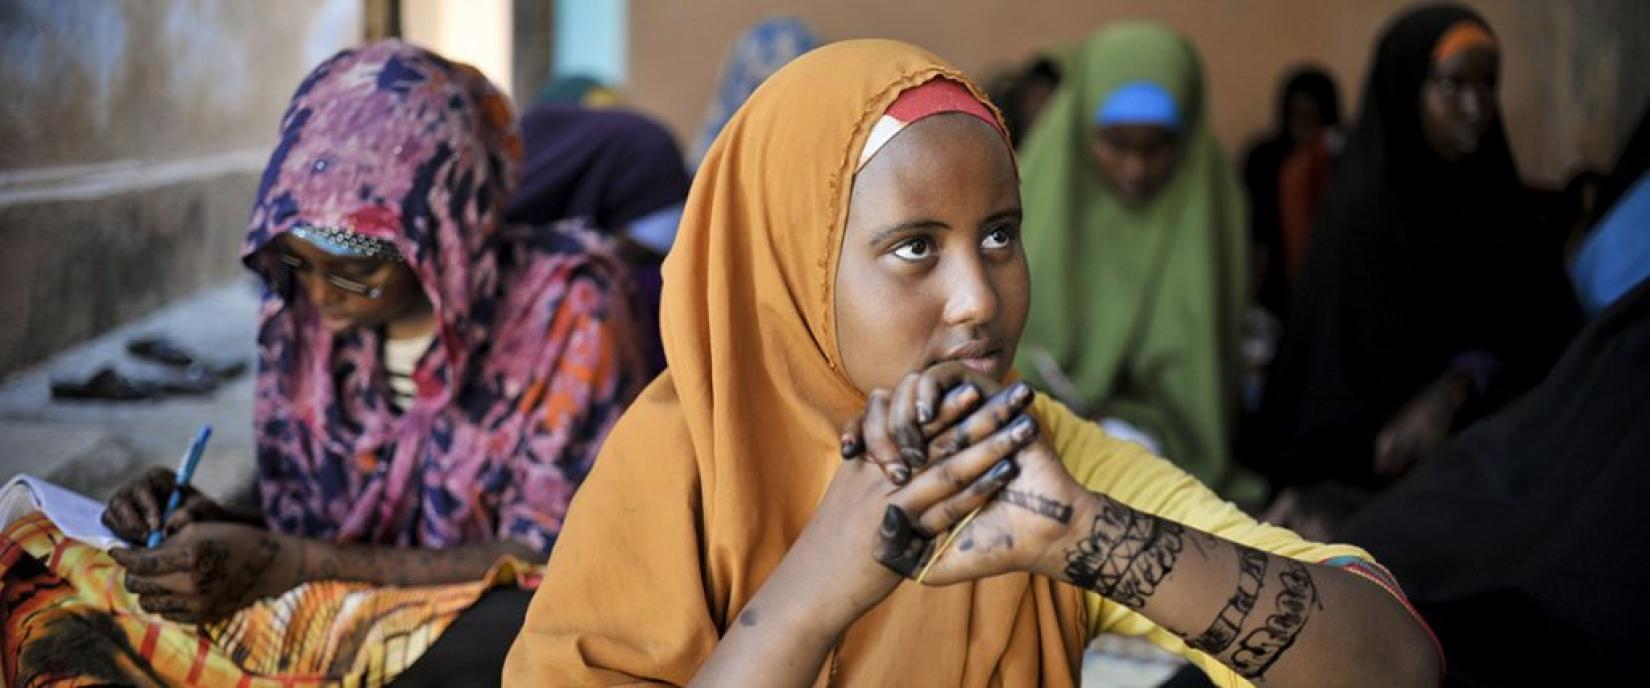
(77, 515)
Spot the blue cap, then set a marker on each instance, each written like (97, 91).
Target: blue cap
(1138, 102)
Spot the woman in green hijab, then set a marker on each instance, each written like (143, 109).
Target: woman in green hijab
(1134, 229)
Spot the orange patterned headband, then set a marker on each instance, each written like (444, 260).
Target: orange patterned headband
(1462, 36)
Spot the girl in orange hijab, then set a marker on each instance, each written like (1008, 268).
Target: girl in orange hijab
(849, 257)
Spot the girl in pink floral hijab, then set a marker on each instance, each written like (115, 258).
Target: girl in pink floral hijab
(432, 384)
(525, 366)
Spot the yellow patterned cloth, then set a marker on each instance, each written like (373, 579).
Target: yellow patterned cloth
(66, 618)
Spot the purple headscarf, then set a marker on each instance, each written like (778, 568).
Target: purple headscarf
(532, 360)
(610, 166)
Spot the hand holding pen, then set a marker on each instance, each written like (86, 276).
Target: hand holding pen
(138, 507)
(186, 472)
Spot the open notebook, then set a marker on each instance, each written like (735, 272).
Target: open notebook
(77, 515)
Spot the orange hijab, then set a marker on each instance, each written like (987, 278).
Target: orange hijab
(709, 478)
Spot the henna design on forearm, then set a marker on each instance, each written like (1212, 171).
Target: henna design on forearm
(401, 567)
(1224, 630)
(1263, 646)
(1125, 555)
(902, 547)
(1153, 564)
(1052, 509)
(1087, 564)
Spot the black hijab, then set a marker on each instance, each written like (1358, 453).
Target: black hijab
(1524, 542)
(1261, 168)
(1412, 261)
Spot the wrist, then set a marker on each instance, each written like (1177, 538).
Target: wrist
(299, 560)
(815, 592)
(795, 609)
(285, 571)
(1052, 560)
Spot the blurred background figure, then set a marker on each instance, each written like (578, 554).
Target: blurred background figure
(578, 90)
(1610, 251)
(1286, 175)
(757, 54)
(623, 173)
(1134, 233)
(1516, 532)
(1424, 273)
(1022, 93)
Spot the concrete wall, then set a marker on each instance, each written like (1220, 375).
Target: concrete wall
(133, 133)
(1569, 92)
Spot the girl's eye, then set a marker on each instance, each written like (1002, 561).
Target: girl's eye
(997, 239)
(357, 271)
(914, 249)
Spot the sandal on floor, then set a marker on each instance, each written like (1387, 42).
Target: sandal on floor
(161, 350)
(106, 385)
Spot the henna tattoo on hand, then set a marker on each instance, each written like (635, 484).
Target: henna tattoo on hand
(989, 539)
(902, 547)
(227, 591)
(1224, 630)
(1263, 646)
(1125, 555)
(1052, 509)
(997, 412)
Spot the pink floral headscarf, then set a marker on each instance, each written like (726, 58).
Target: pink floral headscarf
(532, 361)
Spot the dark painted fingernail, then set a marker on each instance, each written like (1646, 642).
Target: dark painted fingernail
(924, 414)
(851, 446)
(1022, 429)
(1021, 392)
(913, 457)
(964, 395)
(1003, 471)
(901, 474)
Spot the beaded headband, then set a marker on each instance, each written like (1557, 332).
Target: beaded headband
(347, 244)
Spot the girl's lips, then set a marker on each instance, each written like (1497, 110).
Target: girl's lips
(984, 365)
(335, 323)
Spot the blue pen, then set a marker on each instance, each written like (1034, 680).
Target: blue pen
(186, 470)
